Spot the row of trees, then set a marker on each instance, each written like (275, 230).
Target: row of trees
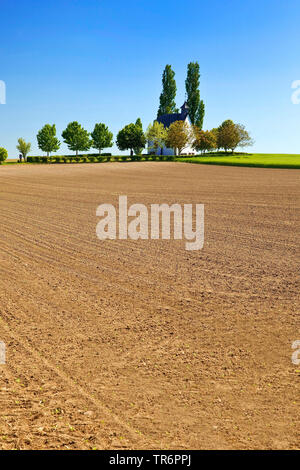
(76, 137)
(227, 136)
(79, 139)
(167, 98)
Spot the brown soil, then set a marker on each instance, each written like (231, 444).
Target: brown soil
(142, 344)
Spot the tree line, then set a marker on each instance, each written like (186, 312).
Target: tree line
(228, 136)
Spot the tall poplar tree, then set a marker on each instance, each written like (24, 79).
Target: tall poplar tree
(200, 115)
(167, 103)
(195, 104)
(192, 83)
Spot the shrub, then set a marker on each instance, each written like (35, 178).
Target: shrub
(3, 155)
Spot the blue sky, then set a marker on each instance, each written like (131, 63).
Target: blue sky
(102, 61)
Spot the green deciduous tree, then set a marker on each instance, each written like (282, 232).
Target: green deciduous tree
(101, 137)
(76, 137)
(24, 148)
(156, 135)
(3, 155)
(179, 136)
(228, 136)
(204, 140)
(131, 137)
(167, 103)
(47, 140)
(231, 136)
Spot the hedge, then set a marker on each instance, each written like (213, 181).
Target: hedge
(96, 158)
(70, 158)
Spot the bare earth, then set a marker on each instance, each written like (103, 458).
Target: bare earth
(142, 344)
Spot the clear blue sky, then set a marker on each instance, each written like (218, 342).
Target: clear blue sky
(102, 61)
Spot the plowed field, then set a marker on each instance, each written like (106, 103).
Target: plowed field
(141, 344)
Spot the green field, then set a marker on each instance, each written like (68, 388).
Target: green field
(264, 160)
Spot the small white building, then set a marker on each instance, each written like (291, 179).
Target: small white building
(167, 120)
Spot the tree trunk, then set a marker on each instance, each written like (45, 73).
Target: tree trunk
(131, 152)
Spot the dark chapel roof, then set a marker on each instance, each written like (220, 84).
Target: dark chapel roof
(167, 119)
